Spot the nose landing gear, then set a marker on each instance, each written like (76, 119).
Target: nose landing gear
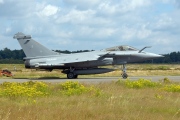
(124, 74)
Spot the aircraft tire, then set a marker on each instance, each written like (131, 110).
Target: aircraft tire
(70, 75)
(124, 75)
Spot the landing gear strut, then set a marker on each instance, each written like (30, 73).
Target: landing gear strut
(71, 74)
(124, 74)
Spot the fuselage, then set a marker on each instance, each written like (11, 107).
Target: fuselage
(80, 60)
(40, 57)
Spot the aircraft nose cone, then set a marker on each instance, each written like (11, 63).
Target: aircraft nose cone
(155, 56)
(159, 56)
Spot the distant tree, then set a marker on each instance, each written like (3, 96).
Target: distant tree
(63, 51)
(69, 52)
(173, 57)
(16, 56)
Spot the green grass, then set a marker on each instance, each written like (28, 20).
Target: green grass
(114, 101)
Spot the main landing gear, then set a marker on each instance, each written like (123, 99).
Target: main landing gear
(124, 74)
(71, 74)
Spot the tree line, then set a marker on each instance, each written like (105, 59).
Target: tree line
(8, 56)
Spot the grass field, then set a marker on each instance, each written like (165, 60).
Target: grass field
(104, 101)
(117, 100)
(132, 70)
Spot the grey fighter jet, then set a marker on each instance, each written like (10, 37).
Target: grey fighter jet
(40, 57)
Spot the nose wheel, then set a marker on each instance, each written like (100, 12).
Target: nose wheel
(124, 74)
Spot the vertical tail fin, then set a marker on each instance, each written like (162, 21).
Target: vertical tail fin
(32, 48)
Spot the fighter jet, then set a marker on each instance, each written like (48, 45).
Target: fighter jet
(40, 57)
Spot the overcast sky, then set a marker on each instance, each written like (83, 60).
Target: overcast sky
(92, 24)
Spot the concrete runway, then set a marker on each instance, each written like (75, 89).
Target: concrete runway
(94, 79)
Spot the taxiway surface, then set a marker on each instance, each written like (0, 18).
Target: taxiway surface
(94, 79)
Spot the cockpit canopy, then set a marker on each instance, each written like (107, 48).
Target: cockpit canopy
(122, 48)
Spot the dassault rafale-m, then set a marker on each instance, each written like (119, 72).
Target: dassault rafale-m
(40, 57)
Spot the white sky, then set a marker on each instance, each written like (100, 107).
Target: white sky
(92, 24)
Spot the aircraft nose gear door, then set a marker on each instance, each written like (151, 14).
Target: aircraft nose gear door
(124, 74)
